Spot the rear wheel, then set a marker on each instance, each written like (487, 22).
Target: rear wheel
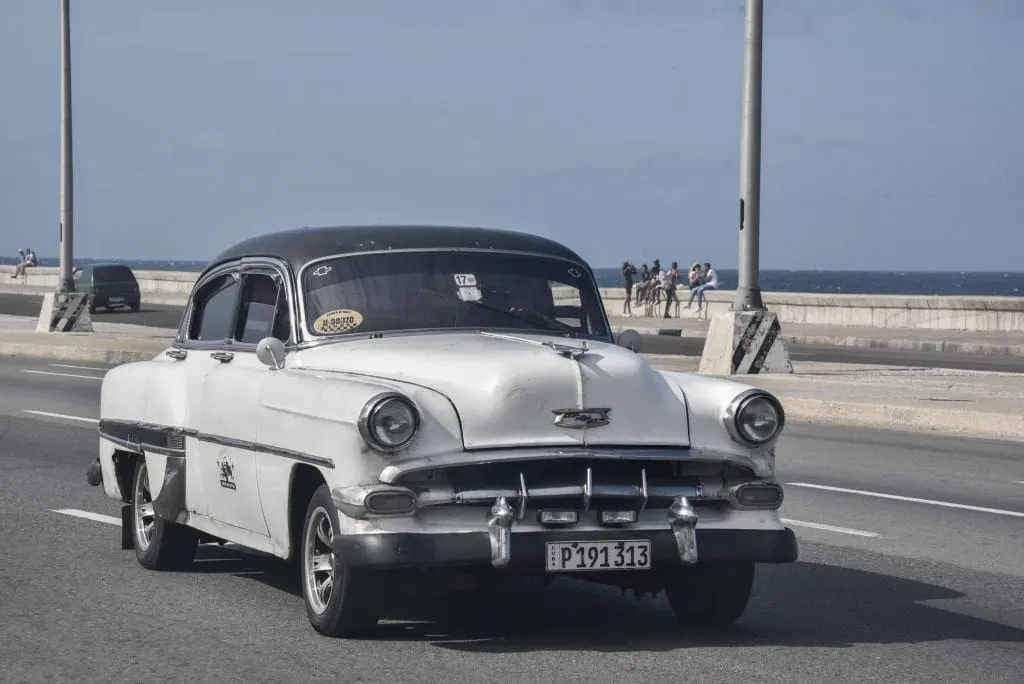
(710, 593)
(339, 601)
(159, 544)
(135, 306)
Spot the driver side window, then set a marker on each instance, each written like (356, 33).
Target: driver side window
(263, 311)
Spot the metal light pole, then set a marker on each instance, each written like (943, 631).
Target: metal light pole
(748, 289)
(67, 190)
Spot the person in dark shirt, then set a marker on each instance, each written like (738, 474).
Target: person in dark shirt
(628, 271)
(645, 275)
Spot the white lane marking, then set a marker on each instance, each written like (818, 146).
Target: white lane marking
(830, 528)
(65, 375)
(61, 415)
(88, 515)
(64, 365)
(911, 499)
(1018, 481)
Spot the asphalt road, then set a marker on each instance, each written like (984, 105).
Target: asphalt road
(169, 317)
(151, 314)
(886, 589)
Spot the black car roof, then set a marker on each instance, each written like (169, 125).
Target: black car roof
(300, 246)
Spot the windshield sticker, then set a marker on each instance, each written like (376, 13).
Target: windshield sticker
(322, 270)
(339, 321)
(465, 280)
(470, 294)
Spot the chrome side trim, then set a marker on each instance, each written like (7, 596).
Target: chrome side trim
(269, 449)
(142, 437)
(127, 434)
(391, 473)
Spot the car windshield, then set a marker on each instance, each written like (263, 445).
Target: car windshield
(423, 290)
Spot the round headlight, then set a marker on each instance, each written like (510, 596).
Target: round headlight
(759, 419)
(389, 422)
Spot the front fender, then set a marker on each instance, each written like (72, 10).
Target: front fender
(706, 400)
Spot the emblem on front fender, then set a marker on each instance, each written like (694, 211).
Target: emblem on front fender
(578, 419)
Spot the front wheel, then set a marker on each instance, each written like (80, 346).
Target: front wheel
(339, 601)
(159, 544)
(710, 593)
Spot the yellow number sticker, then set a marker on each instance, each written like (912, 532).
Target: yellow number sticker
(339, 321)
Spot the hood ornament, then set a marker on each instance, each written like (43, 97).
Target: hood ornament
(580, 419)
(567, 350)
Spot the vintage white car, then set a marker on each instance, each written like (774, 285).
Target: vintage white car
(379, 403)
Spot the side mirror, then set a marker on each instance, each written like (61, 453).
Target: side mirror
(270, 352)
(630, 339)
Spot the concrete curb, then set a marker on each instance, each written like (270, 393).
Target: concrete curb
(947, 422)
(982, 348)
(62, 353)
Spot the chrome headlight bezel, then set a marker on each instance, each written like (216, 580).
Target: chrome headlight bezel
(734, 412)
(370, 412)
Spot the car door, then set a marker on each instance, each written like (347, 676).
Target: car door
(231, 398)
(179, 376)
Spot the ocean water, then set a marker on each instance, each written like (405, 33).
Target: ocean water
(836, 282)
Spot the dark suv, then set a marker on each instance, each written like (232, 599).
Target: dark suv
(110, 286)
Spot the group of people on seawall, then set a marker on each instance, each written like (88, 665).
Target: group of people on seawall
(657, 284)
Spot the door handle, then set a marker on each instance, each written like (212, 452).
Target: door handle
(223, 357)
(176, 354)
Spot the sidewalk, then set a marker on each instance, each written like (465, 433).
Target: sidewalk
(991, 343)
(949, 402)
(110, 343)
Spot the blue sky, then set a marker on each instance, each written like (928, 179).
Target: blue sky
(892, 128)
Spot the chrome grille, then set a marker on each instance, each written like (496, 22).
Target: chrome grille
(579, 484)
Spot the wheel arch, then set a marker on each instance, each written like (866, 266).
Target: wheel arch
(304, 482)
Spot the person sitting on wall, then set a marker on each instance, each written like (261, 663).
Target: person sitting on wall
(27, 258)
(710, 279)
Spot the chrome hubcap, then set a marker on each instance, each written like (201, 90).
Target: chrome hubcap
(319, 560)
(142, 503)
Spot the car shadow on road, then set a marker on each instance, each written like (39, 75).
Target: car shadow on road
(805, 604)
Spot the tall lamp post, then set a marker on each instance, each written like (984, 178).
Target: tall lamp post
(747, 338)
(67, 189)
(748, 290)
(64, 309)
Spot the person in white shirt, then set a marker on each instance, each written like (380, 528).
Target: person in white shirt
(710, 283)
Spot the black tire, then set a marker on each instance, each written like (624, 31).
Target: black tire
(710, 593)
(353, 603)
(135, 306)
(170, 546)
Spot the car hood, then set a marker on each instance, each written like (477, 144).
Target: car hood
(508, 389)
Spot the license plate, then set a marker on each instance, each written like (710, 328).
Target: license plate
(114, 300)
(634, 554)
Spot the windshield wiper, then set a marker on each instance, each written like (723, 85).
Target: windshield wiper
(528, 315)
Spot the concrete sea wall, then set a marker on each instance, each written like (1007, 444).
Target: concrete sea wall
(975, 314)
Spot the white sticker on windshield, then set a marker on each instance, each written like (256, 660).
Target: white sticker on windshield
(465, 280)
(470, 294)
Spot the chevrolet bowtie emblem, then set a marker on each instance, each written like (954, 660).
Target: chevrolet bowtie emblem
(578, 419)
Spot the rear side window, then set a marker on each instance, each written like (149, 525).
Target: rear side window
(214, 311)
(112, 274)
